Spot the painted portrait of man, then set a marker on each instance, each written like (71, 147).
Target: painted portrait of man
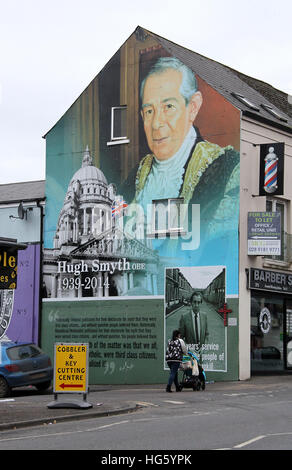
(181, 163)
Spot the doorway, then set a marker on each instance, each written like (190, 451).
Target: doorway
(268, 342)
(288, 334)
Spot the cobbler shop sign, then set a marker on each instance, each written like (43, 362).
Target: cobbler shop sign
(263, 279)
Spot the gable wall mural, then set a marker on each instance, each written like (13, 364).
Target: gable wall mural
(142, 211)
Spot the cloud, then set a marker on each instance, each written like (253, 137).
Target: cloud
(51, 54)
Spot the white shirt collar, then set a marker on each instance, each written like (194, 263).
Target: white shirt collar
(166, 177)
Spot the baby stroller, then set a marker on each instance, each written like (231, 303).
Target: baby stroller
(193, 373)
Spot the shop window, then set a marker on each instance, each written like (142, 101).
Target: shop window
(118, 125)
(288, 342)
(267, 333)
(277, 205)
(168, 217)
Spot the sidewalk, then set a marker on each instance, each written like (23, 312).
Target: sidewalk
(26, 407)
(31, 409)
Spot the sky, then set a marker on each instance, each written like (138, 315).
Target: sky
(50, 51)
(200, 277)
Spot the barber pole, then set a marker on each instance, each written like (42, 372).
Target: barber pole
(271, 168)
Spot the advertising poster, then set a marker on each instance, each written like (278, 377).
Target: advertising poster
(19, 308)
(8, 268)
(193, 299)
(264, 233)
(142, 176)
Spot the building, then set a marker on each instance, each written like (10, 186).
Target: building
(177, 289)
(152, 101)
(21, 219)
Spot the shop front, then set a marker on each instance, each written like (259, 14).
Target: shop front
(271, 321)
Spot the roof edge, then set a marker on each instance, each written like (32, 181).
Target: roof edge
(265, 120)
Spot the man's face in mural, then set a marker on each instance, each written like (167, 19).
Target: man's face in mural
(167, 118)
(196, 302)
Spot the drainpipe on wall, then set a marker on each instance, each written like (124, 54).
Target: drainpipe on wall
(40, 206)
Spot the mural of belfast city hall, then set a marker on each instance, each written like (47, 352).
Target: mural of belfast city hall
(92, 255)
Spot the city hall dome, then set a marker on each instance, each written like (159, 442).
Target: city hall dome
(88, 197)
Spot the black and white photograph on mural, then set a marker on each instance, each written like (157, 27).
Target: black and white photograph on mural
(194, 305)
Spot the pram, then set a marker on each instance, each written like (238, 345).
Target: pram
(193, 373)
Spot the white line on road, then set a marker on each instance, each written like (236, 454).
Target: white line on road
(246, 443)
(175, 402)
(145, 403)
(258, 438)
(203, 413)
(63, 433)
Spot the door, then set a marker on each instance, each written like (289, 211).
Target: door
(288, 337)
(267, 345)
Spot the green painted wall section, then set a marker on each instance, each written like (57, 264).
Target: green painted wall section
(126, 338)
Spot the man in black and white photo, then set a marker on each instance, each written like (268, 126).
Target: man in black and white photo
(193, 325)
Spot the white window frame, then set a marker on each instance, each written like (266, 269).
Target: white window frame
(245, 101)
(167, 230)
(284, 224)
(273, 112)
(115, 140)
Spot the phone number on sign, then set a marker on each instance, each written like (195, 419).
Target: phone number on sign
(86, 283)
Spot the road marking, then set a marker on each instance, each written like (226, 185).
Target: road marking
(175, 402)
(246, 443)
(63, 433)
(145, 403)
(258, 438)
(106, 426)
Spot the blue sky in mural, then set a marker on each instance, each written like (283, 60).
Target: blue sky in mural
(50, 53)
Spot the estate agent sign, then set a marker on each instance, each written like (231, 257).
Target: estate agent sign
(264, 233)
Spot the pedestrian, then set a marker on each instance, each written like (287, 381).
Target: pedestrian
(176, 348)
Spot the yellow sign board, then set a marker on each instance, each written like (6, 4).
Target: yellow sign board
(70, 368)
(8, 268)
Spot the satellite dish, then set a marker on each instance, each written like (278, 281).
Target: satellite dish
(21, 211)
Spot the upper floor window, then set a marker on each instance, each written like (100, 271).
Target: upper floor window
(273, 112)
(168, 217)
(245, 101)
(118, 125)
(278, 205)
